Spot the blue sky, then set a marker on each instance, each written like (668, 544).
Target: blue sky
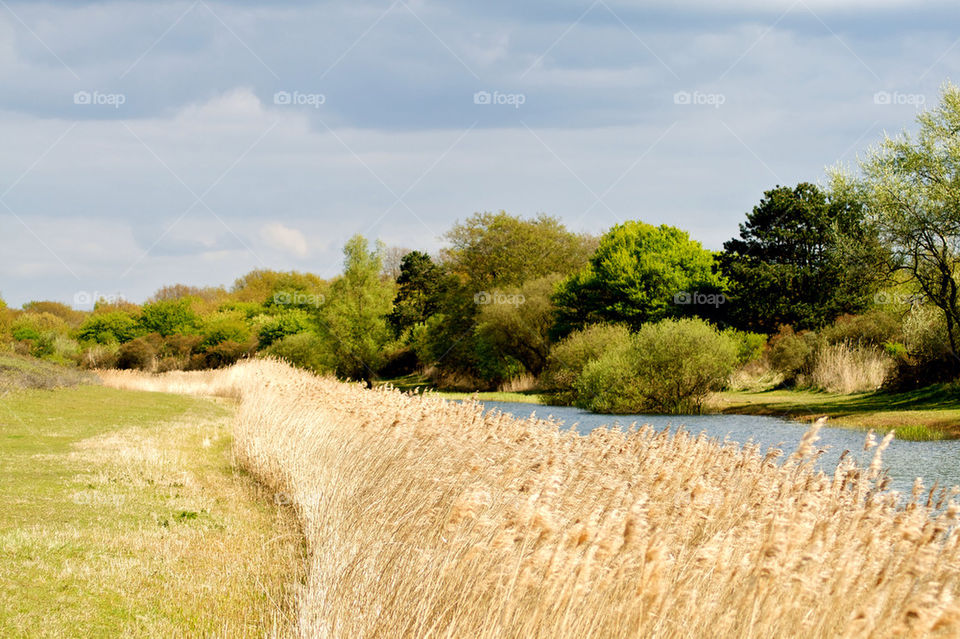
(147, 143)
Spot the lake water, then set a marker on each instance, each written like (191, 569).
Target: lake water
(904, 460)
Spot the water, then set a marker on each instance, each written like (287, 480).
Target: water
(904, 460)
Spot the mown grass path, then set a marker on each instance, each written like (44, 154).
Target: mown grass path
(121, 514)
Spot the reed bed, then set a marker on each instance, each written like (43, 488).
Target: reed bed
(427, 518)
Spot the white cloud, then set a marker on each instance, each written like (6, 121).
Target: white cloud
(284, 238)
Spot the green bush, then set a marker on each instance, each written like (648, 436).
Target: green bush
(568, 358)
(671, 367)
(750, 346)
(281, 325)
(792, 354)
(680, 362)
(305, 350)
(115, 327)
(609, 384)
(875, 327)
(224, 327)
(168, 317)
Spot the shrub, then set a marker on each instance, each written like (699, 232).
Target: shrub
(304, 350)
(281, 325)
(874, 327)
(568, 358)
(139, 354)
(99, 356)
(224, 327)
(609, 384)
(750, 346)
(168, 317)
(791, 354)
(671, 367)
(225, 353)
(115, 327)
(680, 362)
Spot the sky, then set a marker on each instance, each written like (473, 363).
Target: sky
(150, 143)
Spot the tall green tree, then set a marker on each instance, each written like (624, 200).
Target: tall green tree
(419, 286)
(795, 261)
(911, 185)
(640, 273)
(354, 318)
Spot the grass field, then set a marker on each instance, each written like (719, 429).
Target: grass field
(929, 413)
(121, 514)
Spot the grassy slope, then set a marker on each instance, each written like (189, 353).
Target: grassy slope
(928, 413)
(121, 515)
(17, 372)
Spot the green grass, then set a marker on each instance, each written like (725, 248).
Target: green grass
(121, 514)
(924, 414)
(492, 396)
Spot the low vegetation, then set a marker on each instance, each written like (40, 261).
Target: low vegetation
(432, 519)
(123, 516)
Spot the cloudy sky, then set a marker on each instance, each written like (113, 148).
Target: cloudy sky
(146, 143)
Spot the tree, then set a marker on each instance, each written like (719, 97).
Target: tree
(518, 321)
(640, 273)
(115, 327)
(419, 286)
(794, 263)
(498, 250)
(6, 322)
(911, 186)
(354, 317)
(168, 317)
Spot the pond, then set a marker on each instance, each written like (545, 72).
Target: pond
(904, 460)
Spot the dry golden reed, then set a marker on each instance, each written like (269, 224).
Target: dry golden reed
(427, 518)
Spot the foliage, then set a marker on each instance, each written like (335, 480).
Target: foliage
(108, 328)
(222, 327)
(354, 319)
(640, 273)
(789, 266)
(568, 358)
(911, 186)
(139, 353)
(419, 286)
(608, 384)
(680, 362)
(168, 317)
(304, 350)
(70, 316)
(288, 322)
(518, 321)
(792, 353)
(499, 250)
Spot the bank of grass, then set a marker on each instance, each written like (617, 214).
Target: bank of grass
(18, 372)
(925, 414)
(121, 514)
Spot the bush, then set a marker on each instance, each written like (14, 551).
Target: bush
(168, 317)
(680, 362)
(792, 354)
(750, 346)
(99, 356)
(282, 325)
(305, 350)
(115, 327)
(568, 358)
(875, 327)
(224, 327)
(225, 354)
(671, 367)
(139, 354)
(609, 384)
